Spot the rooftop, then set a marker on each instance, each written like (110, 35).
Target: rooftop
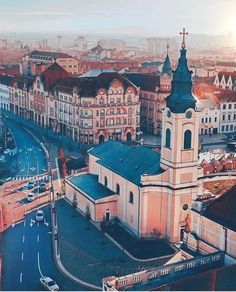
(88, 86)
(96, 72)
(223, 209)
(127, 161)
(89, 184)
(146, 82)
(227, 96)
(52, 74)
(6, 79)
(51, 55)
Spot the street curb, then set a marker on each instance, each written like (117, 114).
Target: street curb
(120, 246)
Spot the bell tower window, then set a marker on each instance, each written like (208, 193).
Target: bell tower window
(168, 138)
(187, 139)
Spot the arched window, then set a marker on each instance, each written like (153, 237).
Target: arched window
(117, 189)
(168, 137)
(187, 139)
(105, 181)
(131, 198)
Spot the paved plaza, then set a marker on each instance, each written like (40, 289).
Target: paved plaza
(87, 253)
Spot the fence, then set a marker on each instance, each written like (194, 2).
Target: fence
(189, 267)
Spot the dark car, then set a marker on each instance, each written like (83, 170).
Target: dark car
(2, 182)
(42, 187)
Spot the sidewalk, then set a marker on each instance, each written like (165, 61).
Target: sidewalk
(87, 253)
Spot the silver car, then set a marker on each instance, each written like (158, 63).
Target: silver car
(49, 284)
(39, 215)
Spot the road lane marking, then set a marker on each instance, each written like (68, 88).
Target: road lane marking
(21, 277)
(40, 272)
(22, 256)
(38, 238)
(23, 239)
(37, 223)
(24, 224)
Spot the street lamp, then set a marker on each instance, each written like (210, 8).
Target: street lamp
(140, 140)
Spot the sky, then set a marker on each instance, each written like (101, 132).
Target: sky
(121, 17)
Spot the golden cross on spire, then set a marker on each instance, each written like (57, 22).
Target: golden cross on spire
(183, 33)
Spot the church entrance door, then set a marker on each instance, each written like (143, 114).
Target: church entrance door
(107, 216)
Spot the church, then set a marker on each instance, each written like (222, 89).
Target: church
(147, 190)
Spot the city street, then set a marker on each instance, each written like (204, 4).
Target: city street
(27, 254)
(27, 247)
(31, 157)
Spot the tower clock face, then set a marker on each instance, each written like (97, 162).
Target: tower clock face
(188, 114)
(168, 114)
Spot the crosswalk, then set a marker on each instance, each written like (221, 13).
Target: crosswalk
(24, 177)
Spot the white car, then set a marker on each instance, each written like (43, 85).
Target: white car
(39, 215)
(30, 197)
(48, 283)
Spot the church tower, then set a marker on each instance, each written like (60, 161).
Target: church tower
(179, 154)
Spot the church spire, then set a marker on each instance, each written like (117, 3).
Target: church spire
(181, 97)
(167, 69)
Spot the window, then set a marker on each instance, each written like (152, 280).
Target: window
(117, 189)
(229, 117)
(202, 120)
(206, 120)
(168, 138)
(131, 198)
(105, 181)
(187, 139)
(210, 120)
(223, 117)
(231, 128)
(224, 106)
(227, 128)
(235, 105)
(230, 106)
(234, 116)
(223, 128)
(215, 119)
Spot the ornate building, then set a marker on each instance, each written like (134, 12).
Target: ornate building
(36, 62)
(154, 88)
(147, 190)
(96, 109)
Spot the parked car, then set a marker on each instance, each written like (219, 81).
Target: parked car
(42, 187)
(2, 182)
(39, 215)
(30, 197)
(30, 185)
(49, 284)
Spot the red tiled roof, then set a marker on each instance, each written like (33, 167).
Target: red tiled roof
(226, 63)
(227, 75)
(227, 96)
(52, 74)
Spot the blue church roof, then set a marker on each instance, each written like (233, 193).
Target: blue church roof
(167, 69)
(89, 184)
(181, 97)
(127, 161)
